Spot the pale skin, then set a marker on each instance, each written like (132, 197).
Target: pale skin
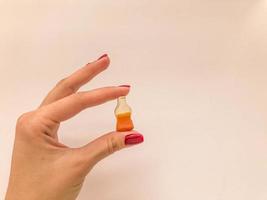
(42, 167)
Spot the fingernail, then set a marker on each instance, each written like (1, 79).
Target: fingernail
(104, 55)
(135, 138)
(124, 86)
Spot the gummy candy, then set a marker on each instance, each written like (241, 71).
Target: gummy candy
(123, 114)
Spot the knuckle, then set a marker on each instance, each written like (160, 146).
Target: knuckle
(81, 99)
(27, 123)
(65, 84)
(22, 119)
(112, 145)
(61, 82)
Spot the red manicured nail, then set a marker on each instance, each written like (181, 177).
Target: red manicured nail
(134, 138)
(104, 55)
(124, 86)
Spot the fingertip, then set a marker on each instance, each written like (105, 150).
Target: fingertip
(125, 92)
(103, 56)
(133, 138)
(101, 63)
(116, 92)
(125, 89)
(104, 59)
(128, 86)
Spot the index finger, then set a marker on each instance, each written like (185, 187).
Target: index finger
(69, 106)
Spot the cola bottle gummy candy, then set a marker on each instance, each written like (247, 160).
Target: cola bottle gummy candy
(123, 114)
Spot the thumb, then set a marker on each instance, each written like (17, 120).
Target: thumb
(110, 143)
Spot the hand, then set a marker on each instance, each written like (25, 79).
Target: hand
(43, 168)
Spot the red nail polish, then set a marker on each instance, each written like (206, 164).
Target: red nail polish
(124, 86)
(104, 55)
(135, 138)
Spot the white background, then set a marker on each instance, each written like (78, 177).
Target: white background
(198, 72)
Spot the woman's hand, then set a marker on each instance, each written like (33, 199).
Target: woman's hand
(42, 167)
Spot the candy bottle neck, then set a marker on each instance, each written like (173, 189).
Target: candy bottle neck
(122, 106)
(122, 100)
